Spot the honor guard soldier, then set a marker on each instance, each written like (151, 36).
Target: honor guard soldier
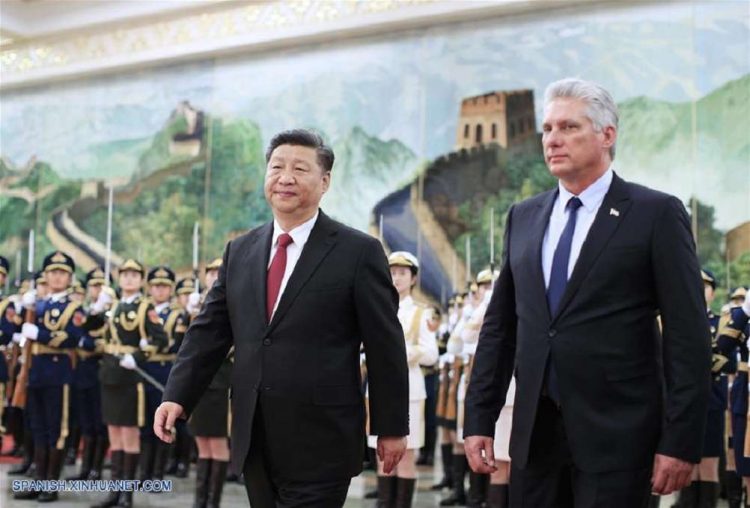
(10, 323)
(210, 423)
(454, 351)
(161, 283)
(88, 392)
(56, 330)
(733, 332)
(135, 332)
(421, 348)
(188, 298)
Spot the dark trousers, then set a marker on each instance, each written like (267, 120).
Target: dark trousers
(265, 491)
(46, 407)
(430, 408)
(551, 479)
(90, 411)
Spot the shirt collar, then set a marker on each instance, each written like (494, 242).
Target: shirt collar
(56, 297)
(593, 195)
(132, 298)
(160, 307)
(407, 302)
(299, 235)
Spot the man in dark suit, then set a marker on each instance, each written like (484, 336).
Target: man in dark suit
(607, 408)
(296, 297)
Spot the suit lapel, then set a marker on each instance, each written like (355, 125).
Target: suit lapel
(538, 229)
(611, 213)
(256, 260)
(322, 239)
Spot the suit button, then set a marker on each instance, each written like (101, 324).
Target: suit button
(266, 342)
(267, 388)
(552, 333)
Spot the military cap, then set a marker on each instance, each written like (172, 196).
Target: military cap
(486, 276)
(77, 287)
(739, 292)
(403, 258)
(39, 277)
(4, 265)
(185, 286)
(95, 277)
(161, 275)
(131, 265)
(58, 261)
(708, 278)
(214, 265)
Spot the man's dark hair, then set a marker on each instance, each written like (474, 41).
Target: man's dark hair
(303, 137)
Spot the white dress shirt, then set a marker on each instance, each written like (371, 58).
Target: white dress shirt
(299, 235)
(592, 199)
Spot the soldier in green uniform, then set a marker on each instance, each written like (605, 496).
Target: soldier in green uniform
(210, 424)
(135, 332)
(161, 282)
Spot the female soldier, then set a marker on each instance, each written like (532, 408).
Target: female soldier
(135, 331)
(209, 424)
(397, 491)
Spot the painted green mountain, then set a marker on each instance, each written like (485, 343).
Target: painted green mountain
(657, 146)
(366, 170)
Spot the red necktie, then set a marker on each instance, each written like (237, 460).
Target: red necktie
(276, 273)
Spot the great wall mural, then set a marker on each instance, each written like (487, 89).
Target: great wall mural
(434, 131)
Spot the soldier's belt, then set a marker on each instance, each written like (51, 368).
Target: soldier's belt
(41, 349)
(120, 349)
(84, 354)
(162, 357)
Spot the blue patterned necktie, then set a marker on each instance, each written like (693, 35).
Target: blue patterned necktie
(558, 280)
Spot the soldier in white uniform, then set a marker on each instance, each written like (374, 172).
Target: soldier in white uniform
(397, 490)
(481, 292)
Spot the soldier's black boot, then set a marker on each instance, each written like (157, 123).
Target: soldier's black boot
(654, 501)
(386, 492)
(708, 494)
(184, 449)
(458, 496)
(129, 466)
(497, 496)
(688, 497)
(477, 489)
(72, 445)
(404, 492)
(87, 458)
(100, 451)
(216, 482)
(54, 467)
(113, 497)
(161, 449)
(733, 483)
(202, 474)
(40, 461)
(28, 455)
(147, 459)
(446, 453)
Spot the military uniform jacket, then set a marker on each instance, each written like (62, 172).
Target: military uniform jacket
(10, 323)
(89, 351)
(129, 323)
(60, 321)
(732, 335)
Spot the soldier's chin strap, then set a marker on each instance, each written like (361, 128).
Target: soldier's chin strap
(146, 377)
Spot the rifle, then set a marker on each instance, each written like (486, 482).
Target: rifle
(19, 390)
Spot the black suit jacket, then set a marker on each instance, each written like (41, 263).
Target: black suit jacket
(303, 366)
(626, 392)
